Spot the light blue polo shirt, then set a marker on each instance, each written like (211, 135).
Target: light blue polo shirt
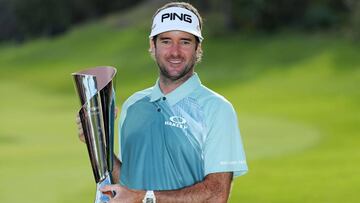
(172, 141)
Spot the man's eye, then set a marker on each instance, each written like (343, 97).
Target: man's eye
(165, 42)
(186, 42)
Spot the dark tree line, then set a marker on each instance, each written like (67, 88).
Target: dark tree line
(22, 19)
(269, 15)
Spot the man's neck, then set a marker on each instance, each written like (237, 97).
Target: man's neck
(167, 85)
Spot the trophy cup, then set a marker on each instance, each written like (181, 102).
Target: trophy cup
(95, 87)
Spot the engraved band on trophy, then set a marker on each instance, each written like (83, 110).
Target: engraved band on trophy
(95, 87)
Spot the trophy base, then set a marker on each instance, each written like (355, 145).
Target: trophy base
(100, 197)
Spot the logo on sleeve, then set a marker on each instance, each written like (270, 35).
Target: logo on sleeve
(177, 121)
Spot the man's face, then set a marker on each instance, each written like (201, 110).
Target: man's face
(175, 54)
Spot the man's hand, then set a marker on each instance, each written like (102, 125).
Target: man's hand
(123, 194)
(80, 129)
(215, 188)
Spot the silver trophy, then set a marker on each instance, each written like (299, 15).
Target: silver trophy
(95, 87)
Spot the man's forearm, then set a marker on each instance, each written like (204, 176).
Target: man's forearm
(116, 170)
(215, 188)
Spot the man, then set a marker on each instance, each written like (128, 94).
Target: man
(179, 141)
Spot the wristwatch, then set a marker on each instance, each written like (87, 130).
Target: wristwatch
(149, 197)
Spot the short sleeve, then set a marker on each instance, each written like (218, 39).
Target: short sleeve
(223, 150)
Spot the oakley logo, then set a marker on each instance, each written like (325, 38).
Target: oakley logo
(177, 121)
(174, 16)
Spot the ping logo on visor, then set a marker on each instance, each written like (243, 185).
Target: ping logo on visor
(176, 18)
(172, 16)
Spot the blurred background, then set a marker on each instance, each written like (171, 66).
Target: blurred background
(291, 68)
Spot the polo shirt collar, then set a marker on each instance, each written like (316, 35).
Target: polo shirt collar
(177, 94)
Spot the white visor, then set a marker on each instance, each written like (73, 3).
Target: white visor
(176, 18)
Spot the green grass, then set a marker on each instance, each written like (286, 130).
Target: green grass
(297, 98)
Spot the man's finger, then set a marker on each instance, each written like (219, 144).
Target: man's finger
(107, 190)
(110, 188)
(109, 194)
(116, 111)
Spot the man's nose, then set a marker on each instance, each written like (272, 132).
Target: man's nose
(175, 49)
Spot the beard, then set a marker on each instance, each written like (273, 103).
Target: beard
(176, 77)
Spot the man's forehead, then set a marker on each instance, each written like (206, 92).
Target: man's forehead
(176, 34)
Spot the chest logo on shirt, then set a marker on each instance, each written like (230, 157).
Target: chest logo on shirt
(177, 121)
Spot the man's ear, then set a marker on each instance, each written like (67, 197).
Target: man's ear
(151, 46)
